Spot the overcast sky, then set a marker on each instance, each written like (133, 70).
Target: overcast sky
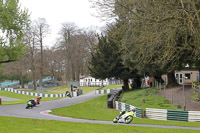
(57, 12)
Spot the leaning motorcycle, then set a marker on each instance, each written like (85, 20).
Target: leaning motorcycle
(37, 100)
(29, 104)
(68, 94)
(125, 117)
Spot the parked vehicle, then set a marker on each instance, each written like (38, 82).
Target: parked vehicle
(125, 117)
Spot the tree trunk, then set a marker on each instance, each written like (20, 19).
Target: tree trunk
(22, 80)
(73, 72)
(126, 85)
(77, 74)
(171, 79)
(33, 78)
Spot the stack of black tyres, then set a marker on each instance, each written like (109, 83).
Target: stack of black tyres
(111, 96)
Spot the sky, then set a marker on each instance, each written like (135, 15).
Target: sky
(57, 12)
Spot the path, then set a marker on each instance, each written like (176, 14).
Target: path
(39, 112)
(8, 98)
(178, 97)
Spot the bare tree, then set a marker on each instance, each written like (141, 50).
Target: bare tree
(77, 44)
(42, 29)
(32, 50)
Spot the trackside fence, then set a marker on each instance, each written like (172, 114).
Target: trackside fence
(125, 107)
(161, 114)
(173, 115)
(103, 91)
(37, 94)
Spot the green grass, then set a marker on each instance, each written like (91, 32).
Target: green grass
(112, 86)
(147, 98)
(63, 89)
(23, 98)
(96, 109)
(22, 125)
(88, 89)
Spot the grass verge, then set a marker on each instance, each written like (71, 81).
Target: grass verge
(96, 109)
(147, 98)
(22, 98)
(112, 86)
(22, 125)
(63, 89)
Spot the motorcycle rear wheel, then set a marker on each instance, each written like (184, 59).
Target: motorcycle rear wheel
(128, 119)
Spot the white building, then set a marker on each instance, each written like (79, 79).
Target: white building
(90, 81)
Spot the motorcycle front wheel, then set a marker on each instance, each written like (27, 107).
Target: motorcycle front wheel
(128, 119)
(115, 120)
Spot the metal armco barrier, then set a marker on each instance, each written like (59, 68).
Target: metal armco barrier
(173, 115)
(177, 115)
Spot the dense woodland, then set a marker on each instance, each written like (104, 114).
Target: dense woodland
(152, 37)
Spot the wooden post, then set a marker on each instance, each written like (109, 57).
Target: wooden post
(160, 88)
(185, 103)
(172, 96)
(164, 90)
(143, 114)
(157, 85)
(153, 84)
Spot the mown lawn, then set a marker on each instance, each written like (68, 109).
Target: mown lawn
(63, 89)
(112, 86)
(147, 98)
(96, 109)
(22, 98)
(22, 125)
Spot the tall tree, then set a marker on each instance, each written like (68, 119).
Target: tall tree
(42, 29)
(106, 62)
(161, 36)
(32, 50)
(13, 21)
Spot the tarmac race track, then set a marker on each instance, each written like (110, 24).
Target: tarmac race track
(41, 112)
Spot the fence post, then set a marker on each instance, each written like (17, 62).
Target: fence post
(0, 101)
(160, 88)
(185, 104)
(164, 90)
(172, 96)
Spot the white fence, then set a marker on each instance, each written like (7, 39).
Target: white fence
(157, 114)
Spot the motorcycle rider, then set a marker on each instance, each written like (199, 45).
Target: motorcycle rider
(123, 112)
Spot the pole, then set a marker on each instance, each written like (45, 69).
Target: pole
(183, 94)
(164, 91)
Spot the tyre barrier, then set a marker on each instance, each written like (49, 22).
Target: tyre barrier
(112, 97)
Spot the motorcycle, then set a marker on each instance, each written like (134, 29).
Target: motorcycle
(29, 104)
(68, 94)
(125, 117)
(37, 100)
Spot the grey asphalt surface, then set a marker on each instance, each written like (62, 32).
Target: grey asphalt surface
(39, 112)
(8, 98)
